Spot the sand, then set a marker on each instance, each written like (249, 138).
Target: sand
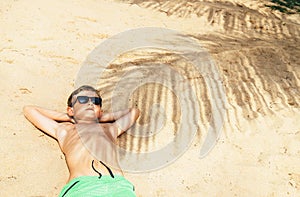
(43, 44)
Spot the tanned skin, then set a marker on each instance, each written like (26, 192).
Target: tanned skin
(84, 119)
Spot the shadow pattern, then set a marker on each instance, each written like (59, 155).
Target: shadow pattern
(232, 17)
(257, 52)
(161, 118)
(261, 75)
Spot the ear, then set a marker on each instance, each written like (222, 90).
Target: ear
(70, 111)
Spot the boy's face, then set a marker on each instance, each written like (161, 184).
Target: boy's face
(86, 111)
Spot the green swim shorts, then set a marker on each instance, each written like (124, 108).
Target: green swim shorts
(93, 186)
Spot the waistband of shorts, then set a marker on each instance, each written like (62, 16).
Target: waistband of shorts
(103, 178)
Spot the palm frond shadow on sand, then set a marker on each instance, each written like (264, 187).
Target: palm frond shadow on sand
(230, 16)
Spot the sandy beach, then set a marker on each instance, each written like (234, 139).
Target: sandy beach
(256, 51)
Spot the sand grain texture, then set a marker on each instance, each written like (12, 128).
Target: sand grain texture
(257, 53)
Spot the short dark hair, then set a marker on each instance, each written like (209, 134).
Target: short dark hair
(80, 89)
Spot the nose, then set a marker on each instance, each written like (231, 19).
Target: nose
(90, 101)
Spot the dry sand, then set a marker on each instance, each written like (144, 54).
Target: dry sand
(257, 52)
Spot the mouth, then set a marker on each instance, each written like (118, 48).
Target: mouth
(92, 109)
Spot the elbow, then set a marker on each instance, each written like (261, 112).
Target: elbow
(27, 109)
(136, 112)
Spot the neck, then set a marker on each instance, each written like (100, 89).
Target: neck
(87, 121)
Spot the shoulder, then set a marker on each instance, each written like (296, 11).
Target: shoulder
(110, 129)
(63, 130)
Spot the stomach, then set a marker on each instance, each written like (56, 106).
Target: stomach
(91, 167)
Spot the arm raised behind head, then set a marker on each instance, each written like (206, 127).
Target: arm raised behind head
(45, 119)
(123, 120)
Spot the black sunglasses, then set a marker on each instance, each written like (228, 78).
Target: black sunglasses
(85, 99)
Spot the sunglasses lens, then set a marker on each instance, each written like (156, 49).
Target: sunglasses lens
(96, 100)
(82, 99)
(85, 99)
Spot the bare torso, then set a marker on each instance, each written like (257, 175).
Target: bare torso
(83, 143)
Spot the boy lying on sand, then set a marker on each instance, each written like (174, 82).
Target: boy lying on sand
(84, 118)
